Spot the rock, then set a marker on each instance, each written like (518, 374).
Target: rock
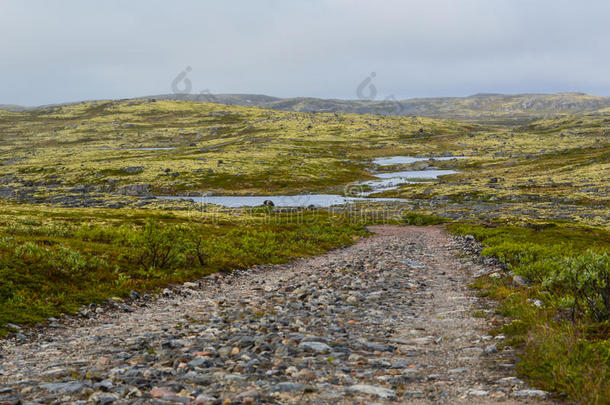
(530, 394)
(414, 341)
(520, 281)
(490, 349)
(161, 392)
(189, 284)
(248, 396)
(378, 347)
(478, 393)
(135, 190)
(268, 203)
(317, 347)
(104, 385)
(287, 387)
(509, 381)
(72, 387)
(372, 390)
(103, 398)
(201, 362)
(205, 399)
(132, 169)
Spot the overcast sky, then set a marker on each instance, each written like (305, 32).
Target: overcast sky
(69, 50)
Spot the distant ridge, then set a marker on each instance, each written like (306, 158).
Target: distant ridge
(477, 106)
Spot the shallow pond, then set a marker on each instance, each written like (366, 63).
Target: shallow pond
(387, 181)
(301, 200)
(405, 160)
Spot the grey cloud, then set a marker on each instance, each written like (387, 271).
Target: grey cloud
(80, 49)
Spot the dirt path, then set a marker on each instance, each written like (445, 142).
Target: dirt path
(388, 320)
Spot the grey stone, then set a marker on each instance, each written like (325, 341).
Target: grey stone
(72, 387)
(317, 347)
(530, 393)
(287, 387)
(520, 281)
(372, 390)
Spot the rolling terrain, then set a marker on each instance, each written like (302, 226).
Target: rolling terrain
(85, 239)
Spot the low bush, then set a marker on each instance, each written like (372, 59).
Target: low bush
(586, 279)
(565, 342)
(413, 218)
(52, 266)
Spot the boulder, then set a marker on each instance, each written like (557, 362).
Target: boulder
(135, 190)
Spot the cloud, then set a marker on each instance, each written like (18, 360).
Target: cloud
(74, 50)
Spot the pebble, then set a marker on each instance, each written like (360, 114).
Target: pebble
(372, 390)
(315, 347)
(530, 393)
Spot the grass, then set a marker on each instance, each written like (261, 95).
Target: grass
(56, 261)
(419, 219)
(565, 349)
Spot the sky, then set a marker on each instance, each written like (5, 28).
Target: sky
(72, 50)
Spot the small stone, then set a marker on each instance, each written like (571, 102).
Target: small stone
(287, 387)
(509, 381)
(530, 393)
(205, 399)
(315, 347)
(72, 387)
(104, 385)
(490, 349)
(202, 362)
(102, 363)
(248, 396)
(352, 299)
(160, 392)
(372, 390)
(478, 393)
(520, 281)
(107, 399)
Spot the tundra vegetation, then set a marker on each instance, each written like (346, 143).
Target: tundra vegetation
(78, 223)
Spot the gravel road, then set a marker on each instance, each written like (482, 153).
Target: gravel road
(387, 320)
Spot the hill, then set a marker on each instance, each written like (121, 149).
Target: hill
(492, 108)
(478, 106)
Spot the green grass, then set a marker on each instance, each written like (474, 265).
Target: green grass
(418, 219)
(564, 348)
(55, 261)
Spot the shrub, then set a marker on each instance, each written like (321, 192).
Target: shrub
(412, 218)
(587, 279)
(156, 247)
